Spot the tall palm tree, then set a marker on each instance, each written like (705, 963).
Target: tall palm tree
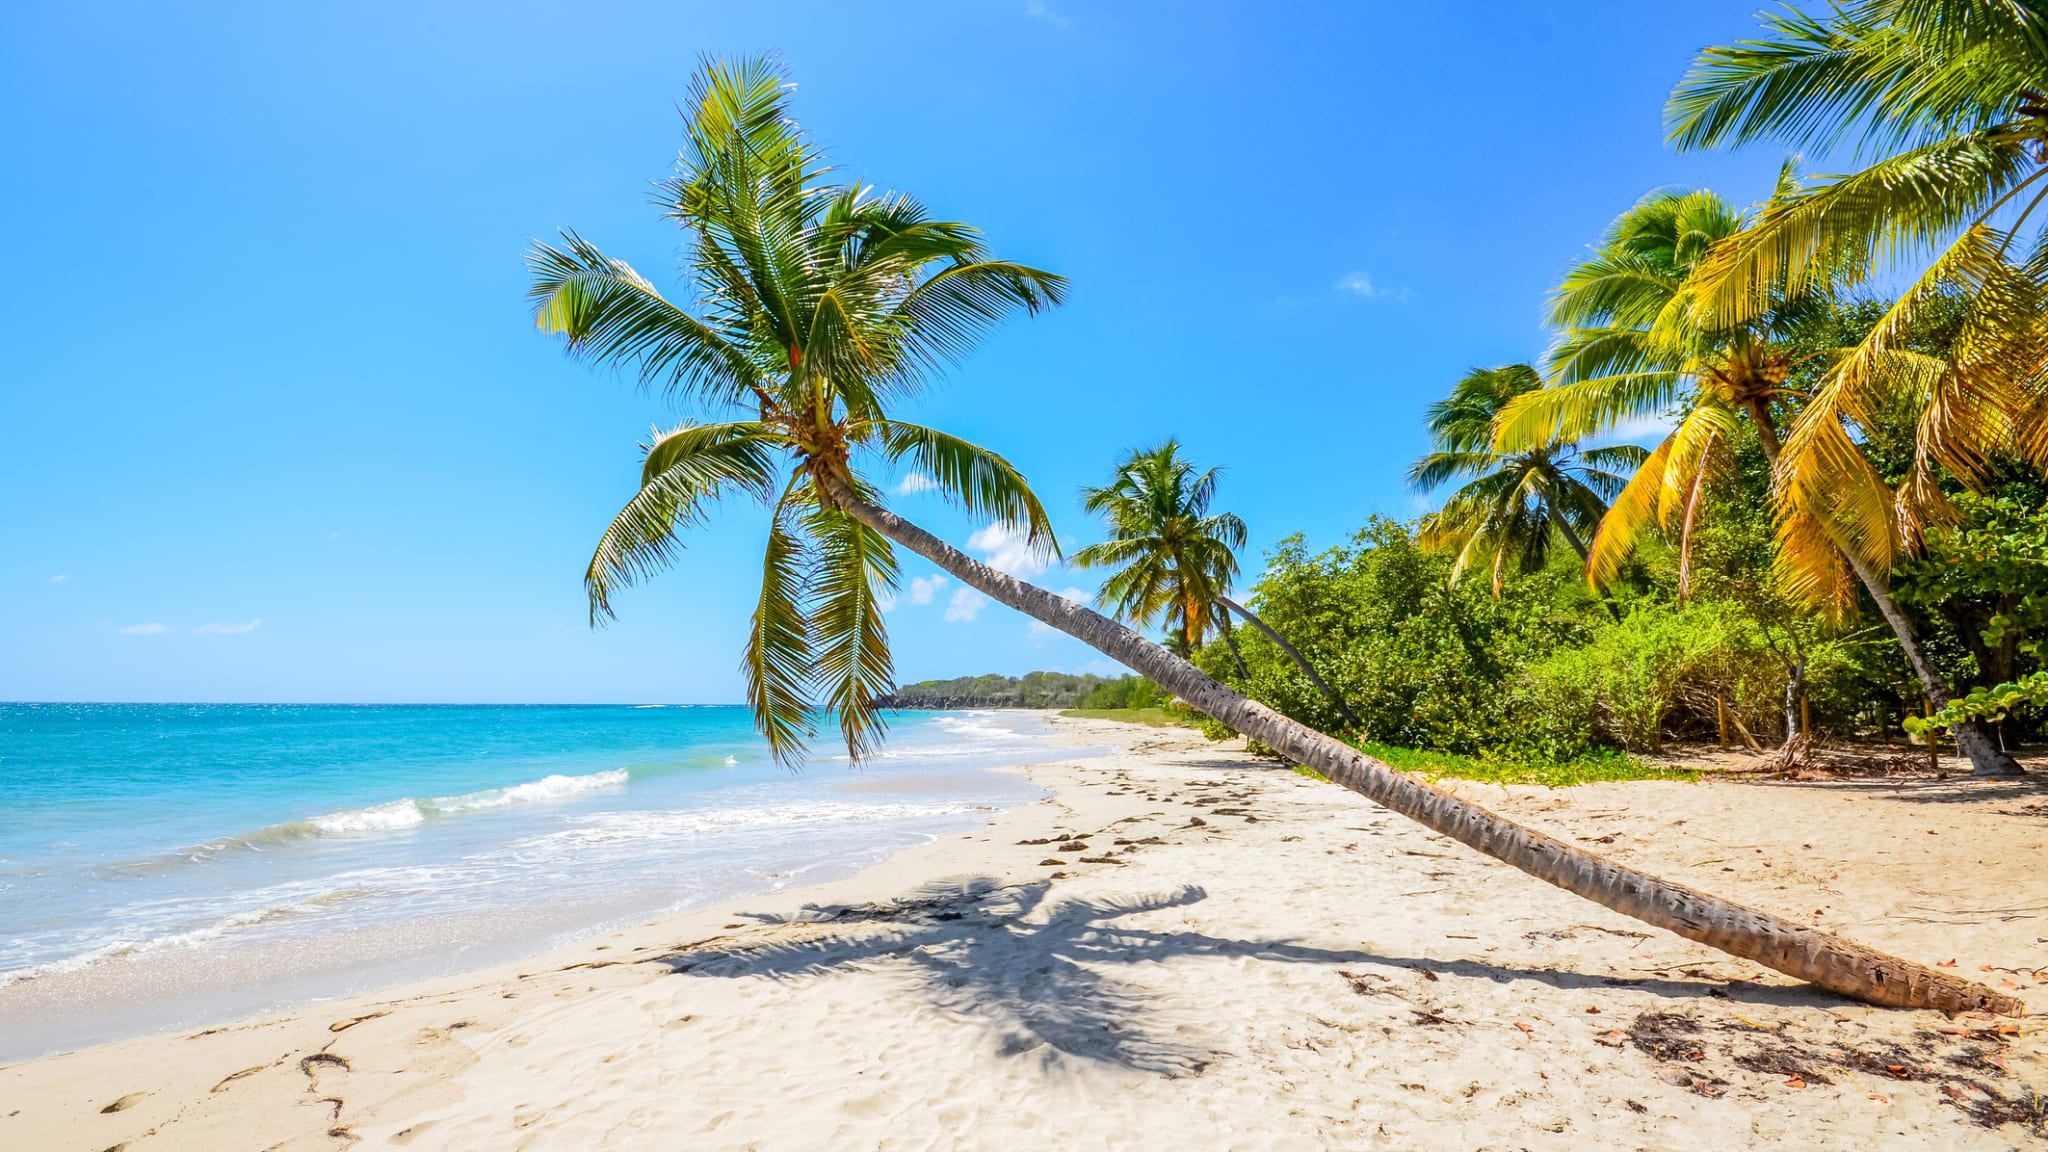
(821, 306)
(818, 307)
(1173, 557)
(1950, 93)
(1512, 504)
(1636, 344)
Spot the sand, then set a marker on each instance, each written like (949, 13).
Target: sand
(1222, 954)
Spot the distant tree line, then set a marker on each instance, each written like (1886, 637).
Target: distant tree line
(1032, 690)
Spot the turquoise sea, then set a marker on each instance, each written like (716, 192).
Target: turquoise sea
(168, 866)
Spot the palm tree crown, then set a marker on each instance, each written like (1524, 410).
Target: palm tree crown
(1949, 94)
(1173, 557)
(1632, 345)
(817, 307)
(1513, 504)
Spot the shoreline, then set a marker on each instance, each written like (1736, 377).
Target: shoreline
(1238, 956)
(124, 936)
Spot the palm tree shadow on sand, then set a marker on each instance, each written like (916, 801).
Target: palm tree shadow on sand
(1036, 967)
(1042, 970)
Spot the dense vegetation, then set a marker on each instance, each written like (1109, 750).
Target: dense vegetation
(1539, 671)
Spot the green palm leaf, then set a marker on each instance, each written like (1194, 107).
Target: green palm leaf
(684, 470)
(611, 314)
(976, 479)
(853, 571)
(778, 665)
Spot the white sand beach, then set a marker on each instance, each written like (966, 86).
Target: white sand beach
(1185, 948)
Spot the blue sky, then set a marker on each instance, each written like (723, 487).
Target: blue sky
(277, 427)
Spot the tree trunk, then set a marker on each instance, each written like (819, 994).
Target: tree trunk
(1805, 953)
(1306, 667)
(1986, 761)
(1564, 529)
(1795, 683)
(1230, 642)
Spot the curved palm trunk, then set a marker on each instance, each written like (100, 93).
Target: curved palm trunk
(1230, 642)
(1307, 668)
(1828, 961)
(1564, 529)
(1987, 759)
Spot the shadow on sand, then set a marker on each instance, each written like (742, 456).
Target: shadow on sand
(1043, 969)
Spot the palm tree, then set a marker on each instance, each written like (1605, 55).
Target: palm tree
(818, 307)
(1513, 504)
(1948, 95)
(1629, 349)
(1173, 557)
(1635, 343)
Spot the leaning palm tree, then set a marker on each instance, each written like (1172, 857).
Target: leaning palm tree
(1174, 558)
(1513, 504)
(1635, 343)
(817, 308)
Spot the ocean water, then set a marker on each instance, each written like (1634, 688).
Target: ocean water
(169, 866)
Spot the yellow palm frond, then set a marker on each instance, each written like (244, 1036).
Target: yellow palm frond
(1811, 570)
(1632, 511)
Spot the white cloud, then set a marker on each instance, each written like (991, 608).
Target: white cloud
(219, 629)
(1078, 595)
(1643, 430)
(913, 483)
(1005, 547)
(1037, 10)
(885, 600)
(144, 630)
(60, 577)
(923, 588)
(965, 605)
(1360, 285)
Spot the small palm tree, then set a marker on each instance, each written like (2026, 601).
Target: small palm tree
(1512, 504)
(1173, 557)
(819, 307)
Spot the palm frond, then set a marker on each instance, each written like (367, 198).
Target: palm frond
(778, 666)
(1811, 570)
(684, 470)
(947, 314)
(1851, 224)
(976, 479)
(1439, 468)
(612, 315)
(1632, 512)
(853, 571)
(1583, 409)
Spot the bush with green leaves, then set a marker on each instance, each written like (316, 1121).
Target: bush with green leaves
(1123, 692)
(1423, 662)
